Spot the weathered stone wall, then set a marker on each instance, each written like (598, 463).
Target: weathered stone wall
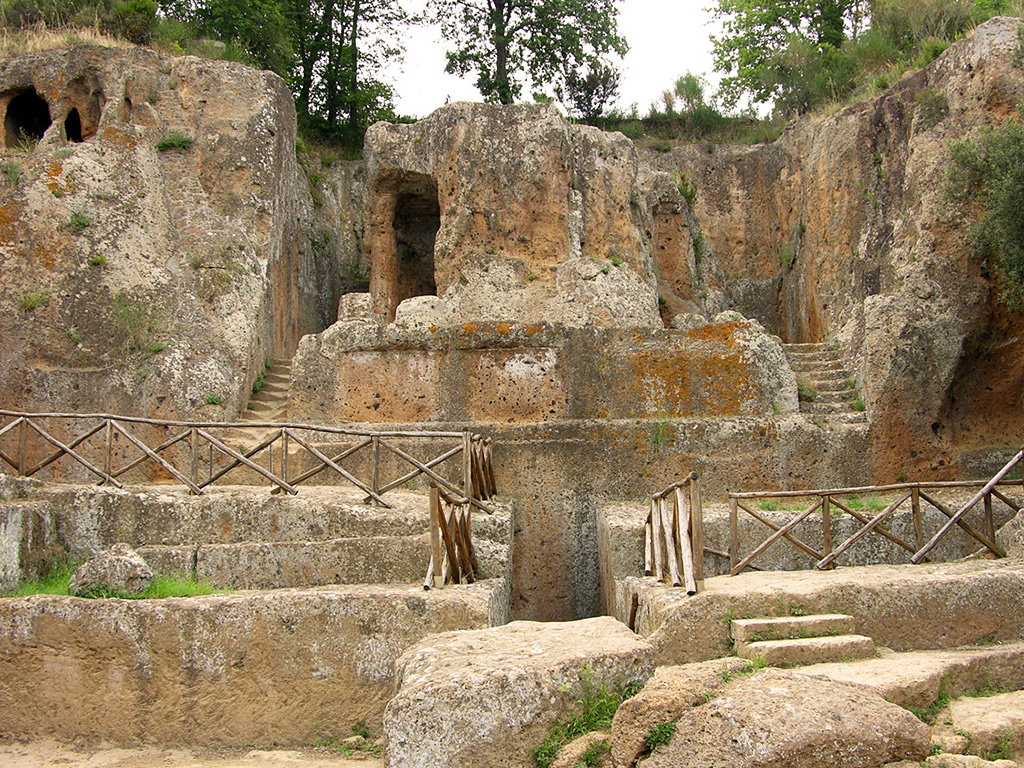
(277, 667)
(145, 281)
(358, 371)
(942, 605)
(532, 219)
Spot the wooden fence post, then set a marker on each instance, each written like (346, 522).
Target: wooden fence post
(734, 536)
(697, 530)
(915, 510)
(375, 481)
(467, 465)
(826, 525)
(22, 440)
(435, 537)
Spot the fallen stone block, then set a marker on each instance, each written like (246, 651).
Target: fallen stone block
(670, 693)
(119, 568)
(478, 699)
(782, 719)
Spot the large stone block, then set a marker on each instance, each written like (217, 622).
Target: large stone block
(779, 719)
(485, 698)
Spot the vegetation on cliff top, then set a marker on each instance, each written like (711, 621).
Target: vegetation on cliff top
(988, 173)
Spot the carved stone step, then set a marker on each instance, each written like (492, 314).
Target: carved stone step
(791, 627)
(808, 650)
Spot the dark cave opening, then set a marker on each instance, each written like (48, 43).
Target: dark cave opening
(27, 118)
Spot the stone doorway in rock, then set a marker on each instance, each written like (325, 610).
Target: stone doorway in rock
(416, 222)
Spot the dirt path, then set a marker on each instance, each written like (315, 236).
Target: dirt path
(49, 754)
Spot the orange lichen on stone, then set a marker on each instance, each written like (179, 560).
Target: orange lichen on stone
(120, 138)
(682, 385)
(8, 218)
(717, 332)
(53, 176)
(504, 328)
(532, 329)
(470, 327)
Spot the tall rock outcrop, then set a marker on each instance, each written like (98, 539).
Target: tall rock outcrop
(509, 214)
(157, 237)
(841, 231)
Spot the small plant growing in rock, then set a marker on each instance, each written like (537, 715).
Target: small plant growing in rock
(98, 260)
(597, 708)
(155, 348)
(212, 399)
(79, 220)
(659, 432)
(805, 392)
(174, 140)
(533, 276)
(660, 734)
(11, 171)
(687, 189)
(34, 299)
(133, 321)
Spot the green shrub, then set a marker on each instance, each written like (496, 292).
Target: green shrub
(133, 321)
(687, 189)
(660, 734)
(596, 710)
(805, 392)
(174, 140)
(98, 260)
(212, 399)
(11, 171)
(989, 171)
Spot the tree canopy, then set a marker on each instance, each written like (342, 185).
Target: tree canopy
(507, 42)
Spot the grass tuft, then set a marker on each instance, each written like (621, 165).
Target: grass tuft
(660, 734)
(597, 708)
(174, 140)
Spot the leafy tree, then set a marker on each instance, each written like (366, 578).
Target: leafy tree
(506, 41)
(588, 94)
(339, 47)
(764, 46)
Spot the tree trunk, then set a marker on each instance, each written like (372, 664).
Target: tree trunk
(501, 85)
(353, 105)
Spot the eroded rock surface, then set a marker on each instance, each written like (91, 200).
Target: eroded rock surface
(156, 252)
(782, 719)
(485, 698)
(119, 568)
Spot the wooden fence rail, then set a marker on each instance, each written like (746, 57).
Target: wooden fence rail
(197, 455)
(830, 501)
(674, 535)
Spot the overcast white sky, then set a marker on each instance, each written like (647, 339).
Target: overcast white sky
(667, 38)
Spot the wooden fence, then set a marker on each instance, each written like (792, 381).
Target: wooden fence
(830, 501)
(452, 558)
(674, 536)
(197, 455)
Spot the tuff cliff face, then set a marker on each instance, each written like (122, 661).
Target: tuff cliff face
(841, 232)
(157, 281)
(157, 241)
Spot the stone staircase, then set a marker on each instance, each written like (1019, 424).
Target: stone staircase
(827, 387)
(271, 402)
(798, 640)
